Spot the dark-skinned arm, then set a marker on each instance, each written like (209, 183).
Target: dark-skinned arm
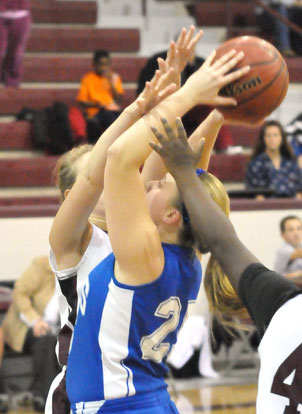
(210, 225)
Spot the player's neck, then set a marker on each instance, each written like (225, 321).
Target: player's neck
(167, 237)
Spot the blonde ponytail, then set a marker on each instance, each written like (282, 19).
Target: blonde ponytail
(224, 302)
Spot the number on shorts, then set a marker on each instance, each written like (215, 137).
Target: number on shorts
(152, 345)
(293, 392)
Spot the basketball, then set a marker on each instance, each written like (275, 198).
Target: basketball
(260, 91)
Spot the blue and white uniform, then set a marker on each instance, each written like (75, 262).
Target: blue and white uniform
(69, 285)
(124, 333)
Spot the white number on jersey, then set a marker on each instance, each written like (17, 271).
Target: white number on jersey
(152, 345)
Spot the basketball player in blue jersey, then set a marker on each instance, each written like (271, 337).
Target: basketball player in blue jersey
(135, 301)
(273, 302)
(77, 238)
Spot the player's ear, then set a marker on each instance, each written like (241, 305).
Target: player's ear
(172, 216)
(66, 192)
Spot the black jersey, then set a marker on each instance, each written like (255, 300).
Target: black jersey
(275, 304)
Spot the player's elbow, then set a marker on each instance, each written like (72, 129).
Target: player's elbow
(119, 157)
(115, 156)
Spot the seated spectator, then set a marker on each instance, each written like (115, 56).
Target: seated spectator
(15, 22)
(288, 261)
(101, 92)
(196, 115)
(31, 325)
(273, 165)
(281, 31)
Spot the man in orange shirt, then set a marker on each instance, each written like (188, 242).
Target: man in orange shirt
(101, 91)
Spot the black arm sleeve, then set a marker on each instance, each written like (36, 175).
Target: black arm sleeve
(263, 292)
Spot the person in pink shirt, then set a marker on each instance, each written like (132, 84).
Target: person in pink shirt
(15, 22)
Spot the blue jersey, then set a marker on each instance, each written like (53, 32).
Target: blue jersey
(124, 333)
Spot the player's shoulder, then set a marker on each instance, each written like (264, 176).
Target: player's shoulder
(263, 292)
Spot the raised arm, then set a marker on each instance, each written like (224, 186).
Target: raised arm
(178, 56)
(210, 225)
(71, 231)
(208, 129)
(126, 207)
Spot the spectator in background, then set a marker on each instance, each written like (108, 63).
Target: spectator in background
(197, 114)
(15, 22)
(288, 261)
(101, 92)
(273, 165)
(294, 136)
(32, 323)
(281, 31)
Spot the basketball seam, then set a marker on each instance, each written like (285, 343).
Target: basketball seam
(266, 62)
(285, 85)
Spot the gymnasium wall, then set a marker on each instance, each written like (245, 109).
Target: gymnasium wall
(24, 238)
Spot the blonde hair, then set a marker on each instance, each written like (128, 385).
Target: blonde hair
(224, 302)
(65, 171)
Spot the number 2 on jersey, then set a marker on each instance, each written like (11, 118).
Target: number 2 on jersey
(152, 345)
(292, 365)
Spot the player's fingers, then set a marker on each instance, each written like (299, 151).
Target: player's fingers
(195, 40)
(226, 67)
(156, 76)
(165, 78)
(220, 62)
(171, 53)
(189, 35)
(181, 132)
(222, 101)
(160, 138)
(147, 86)
(231, 77)
(162, 65)
(167, 91)
(209, 59)
(156, 147)
(181, 38)
(169, 131)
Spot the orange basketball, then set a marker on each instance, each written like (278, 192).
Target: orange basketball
(263, 89)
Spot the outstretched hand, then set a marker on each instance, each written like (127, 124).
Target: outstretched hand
(207, 81)
(174, 147)
(161, 85)
(166, 79)
(182, 51)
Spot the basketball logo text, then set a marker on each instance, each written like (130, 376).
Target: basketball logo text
(237, 89)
